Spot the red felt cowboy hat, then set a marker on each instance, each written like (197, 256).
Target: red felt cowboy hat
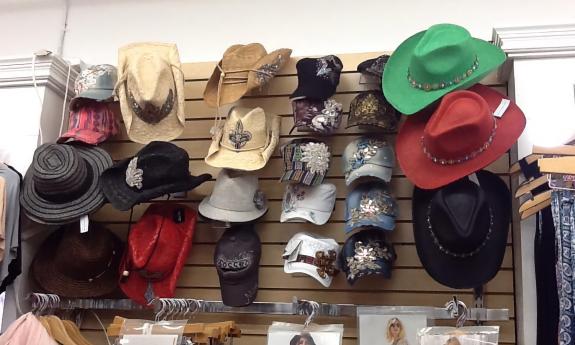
(157, 249)
(460, 137)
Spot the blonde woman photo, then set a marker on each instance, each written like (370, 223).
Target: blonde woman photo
(453, 341)
(395, 332)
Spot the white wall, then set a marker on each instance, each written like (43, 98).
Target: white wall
(203, 29)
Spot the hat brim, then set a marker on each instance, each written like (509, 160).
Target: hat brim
(83, 135)
(384, 272)
(123, 197)
(223, 157)
(46, 211)
(46, 274)
(409, 100)
(372, 170)
(304, 177)
(300, 214)
(240, 293)
(383, 222)
(426, 174)
(474, 271)
(310, 270)
(171, 126)
(209, 211)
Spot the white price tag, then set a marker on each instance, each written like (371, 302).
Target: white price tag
(501, 108)
(84, 224)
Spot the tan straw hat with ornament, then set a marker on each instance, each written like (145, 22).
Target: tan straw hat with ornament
(246, 141)
(151, 91)
(243, 68)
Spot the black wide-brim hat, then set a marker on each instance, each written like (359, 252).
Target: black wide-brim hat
(469, 271)
(164, 168)
(44, 211)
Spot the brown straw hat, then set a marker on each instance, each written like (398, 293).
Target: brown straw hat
(78, 265)
(243, 68)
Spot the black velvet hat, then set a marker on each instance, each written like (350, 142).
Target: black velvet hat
(317, 77)
(159, 168)
(461, 229)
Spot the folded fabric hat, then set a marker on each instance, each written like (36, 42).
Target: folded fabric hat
(236, 197)
(72, 264)
(308, 203)
(370, 204)
(316, 115)
(246, 141)
(366, 253)
(92, 123)
(432, 63)
(370, 108)
(313, 255)
(63, 183)
(96, 82)
(159, 168)
(372, 70)
(237, 259)
(151, 91)
(305, 161)
(157, 249)
(462, 136)
(317, 77)
(461, 229)
(368, 156)
(242, 69)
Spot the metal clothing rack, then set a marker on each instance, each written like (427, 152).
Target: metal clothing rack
(454, 309)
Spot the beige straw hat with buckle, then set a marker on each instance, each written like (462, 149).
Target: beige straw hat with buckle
(151, 91)
(243, 68)
(246, 141)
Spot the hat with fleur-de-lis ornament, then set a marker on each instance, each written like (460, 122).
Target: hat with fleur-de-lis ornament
(159, 168)
(246, 141)
(434, 62)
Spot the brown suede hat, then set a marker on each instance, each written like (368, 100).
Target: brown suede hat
(243, 68)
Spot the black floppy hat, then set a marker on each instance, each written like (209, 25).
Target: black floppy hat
(317, 77)
(159, 168)
(63, 183)
(461, 229)
(237, 258)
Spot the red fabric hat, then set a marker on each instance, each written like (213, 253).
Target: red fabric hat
(91, 122)
(461, 137)
(157, 249)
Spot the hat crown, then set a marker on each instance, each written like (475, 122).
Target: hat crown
(367, 150)
(160, 162)
(320, 197)
(96, 77)
(92, 252)
(241, 57)
(371, 198)
(462, 125)
(59, 172)
(460, 217)
(308, 244)
(444, 54)
(245, 129)
(236, 191)
(237, 253)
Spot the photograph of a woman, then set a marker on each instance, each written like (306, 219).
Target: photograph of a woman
(302, 339)
(453, 341)
(395, 332)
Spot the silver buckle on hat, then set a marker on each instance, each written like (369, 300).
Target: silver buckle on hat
(134, 175)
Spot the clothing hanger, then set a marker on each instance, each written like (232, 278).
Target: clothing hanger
(59, 331)
(537, 199)
(46, 325)
(528, 186)
(531, 211)
(562, 150)
(557, 165)
(515, 168)
(75, 333)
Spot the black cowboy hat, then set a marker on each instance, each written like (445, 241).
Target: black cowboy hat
(461, 229)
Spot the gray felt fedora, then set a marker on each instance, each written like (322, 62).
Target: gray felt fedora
(236, 198)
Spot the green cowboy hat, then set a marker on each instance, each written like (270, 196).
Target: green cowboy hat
(434, 62)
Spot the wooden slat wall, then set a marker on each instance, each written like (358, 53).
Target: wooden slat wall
(410, 284)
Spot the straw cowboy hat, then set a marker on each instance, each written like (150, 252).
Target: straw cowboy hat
(433, 63)
(151, 91)
(247, 140)
(243, 68)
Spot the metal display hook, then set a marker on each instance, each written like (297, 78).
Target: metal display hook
(457, 309)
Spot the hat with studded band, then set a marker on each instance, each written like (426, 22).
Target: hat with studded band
(368, 156)
(246, 141)
(461, 229)
(370, 205)
(433, 63)
(461, 136)
(159, 168)
(306, 161)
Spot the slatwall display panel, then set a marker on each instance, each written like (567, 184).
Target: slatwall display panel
(410, 284)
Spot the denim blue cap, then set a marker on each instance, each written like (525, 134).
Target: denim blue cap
(368, 156)
(370, 204)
